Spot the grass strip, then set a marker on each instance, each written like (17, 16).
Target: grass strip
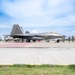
(22, 69)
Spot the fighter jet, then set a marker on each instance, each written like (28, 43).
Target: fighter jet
(17, 32)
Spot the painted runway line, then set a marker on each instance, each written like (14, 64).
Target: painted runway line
(16, 45)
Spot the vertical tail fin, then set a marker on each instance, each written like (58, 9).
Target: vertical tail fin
(16, 30)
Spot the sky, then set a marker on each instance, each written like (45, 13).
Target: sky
(38, 16)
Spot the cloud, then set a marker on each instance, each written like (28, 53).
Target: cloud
(60, 7)
(39, 13)
(34, 31)
(45, 22)
(4, 26)
(26, 8)
(22, 8)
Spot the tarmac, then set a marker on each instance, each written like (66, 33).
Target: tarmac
(62, 53)
(42, 44)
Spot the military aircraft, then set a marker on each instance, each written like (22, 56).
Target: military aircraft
(17, 32)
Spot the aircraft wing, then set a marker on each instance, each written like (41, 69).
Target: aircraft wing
(49, 36)
(22, 36)
(27, 36)
(36, 38)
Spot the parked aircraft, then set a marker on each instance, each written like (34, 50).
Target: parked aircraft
(17, 32)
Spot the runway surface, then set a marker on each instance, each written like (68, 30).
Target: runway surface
(55, 56)
(37, 53)
(42, 44)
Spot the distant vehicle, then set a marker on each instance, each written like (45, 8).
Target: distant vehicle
(17, 32)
